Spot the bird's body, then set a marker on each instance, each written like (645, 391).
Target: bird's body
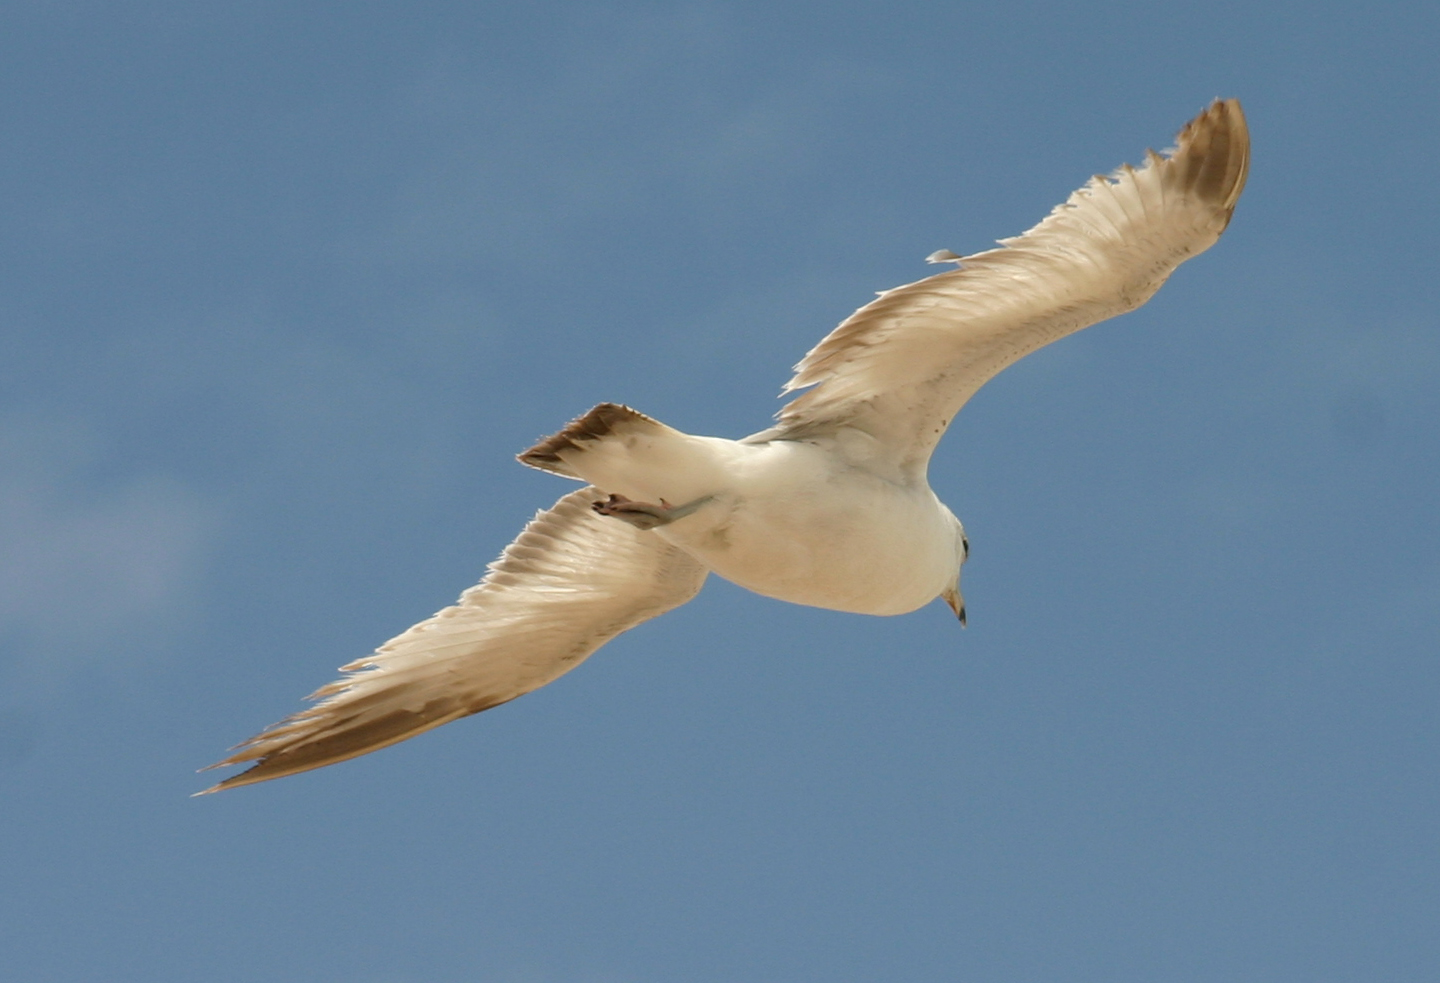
(829, 508)
(805, 521)
(800, 523)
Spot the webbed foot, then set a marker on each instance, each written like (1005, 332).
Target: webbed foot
(643, 515)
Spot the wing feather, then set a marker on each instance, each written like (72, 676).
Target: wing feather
(900, 367)
(569, 583)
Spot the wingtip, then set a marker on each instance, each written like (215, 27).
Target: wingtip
(231, 782)
(1211, 158)
(235, 781)
(263, 770)
(219, 786)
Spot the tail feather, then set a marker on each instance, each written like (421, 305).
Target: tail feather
(604, 421)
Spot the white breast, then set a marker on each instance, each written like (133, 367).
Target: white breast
(799, 523)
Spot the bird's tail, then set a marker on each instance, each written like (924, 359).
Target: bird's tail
(607, 422)
(623, 452)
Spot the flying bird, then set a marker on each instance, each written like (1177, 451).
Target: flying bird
(830, 507)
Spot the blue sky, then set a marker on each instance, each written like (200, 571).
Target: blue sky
(285, 286)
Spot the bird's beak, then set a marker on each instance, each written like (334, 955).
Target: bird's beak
(957, 603)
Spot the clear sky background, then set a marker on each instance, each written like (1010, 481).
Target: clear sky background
(286, 285)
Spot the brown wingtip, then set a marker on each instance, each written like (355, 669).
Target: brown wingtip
(599, 423)
(1211, 159)
(340, 742)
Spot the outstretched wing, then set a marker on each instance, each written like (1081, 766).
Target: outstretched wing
(900, 368)
(568, 584)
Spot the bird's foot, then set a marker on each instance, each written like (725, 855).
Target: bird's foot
(643, 515)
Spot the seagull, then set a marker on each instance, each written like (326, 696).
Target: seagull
(829, 508)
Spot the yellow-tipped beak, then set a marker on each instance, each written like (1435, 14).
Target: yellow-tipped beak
(957, 603)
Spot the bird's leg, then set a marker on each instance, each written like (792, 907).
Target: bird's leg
(643, 515)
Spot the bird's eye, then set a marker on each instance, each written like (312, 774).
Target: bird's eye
(965, 544)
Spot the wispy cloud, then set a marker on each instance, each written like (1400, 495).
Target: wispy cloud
(87, 559)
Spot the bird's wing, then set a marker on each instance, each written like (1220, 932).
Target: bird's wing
(900, 368)
(568, 584)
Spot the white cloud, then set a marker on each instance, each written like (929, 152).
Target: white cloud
(86, 559)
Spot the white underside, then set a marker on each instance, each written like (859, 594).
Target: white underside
(793, 520)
